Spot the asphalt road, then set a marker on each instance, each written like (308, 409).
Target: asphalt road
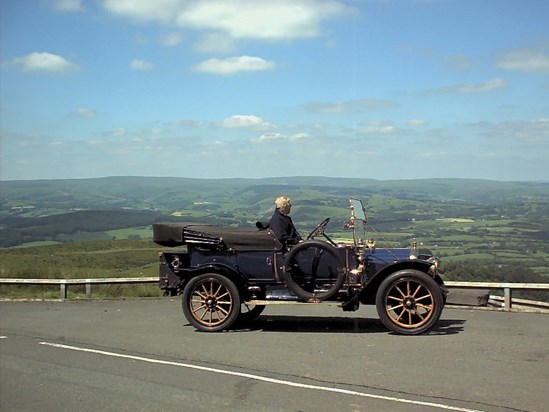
(141, 355)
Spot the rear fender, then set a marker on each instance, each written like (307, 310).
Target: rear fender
(173, 282)
(223, 270)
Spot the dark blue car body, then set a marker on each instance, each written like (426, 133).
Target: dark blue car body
(227, 275)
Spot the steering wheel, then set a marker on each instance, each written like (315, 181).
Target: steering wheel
(319, 230)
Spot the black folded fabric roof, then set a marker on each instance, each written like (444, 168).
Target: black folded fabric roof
(179, 234)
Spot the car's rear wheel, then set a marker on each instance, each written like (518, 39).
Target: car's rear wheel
(249, 312)
(314, 270)
(409, 302)
(211, 302)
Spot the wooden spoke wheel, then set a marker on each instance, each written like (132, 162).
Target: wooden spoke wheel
(211, 302)
(409, 302)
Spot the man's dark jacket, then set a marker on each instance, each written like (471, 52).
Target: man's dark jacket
(283, 228)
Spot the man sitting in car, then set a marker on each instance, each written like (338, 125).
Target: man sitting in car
(281, 224)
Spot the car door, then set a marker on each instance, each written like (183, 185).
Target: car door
(257, 265)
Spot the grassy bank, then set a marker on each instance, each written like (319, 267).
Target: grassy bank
(82, 260)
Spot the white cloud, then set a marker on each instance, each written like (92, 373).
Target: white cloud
(246, 121)
(83, 112)
(417, 122)
(215, 43)
(240, 19)
(275, 19)
(270, 137)
(43, 61)
(300, 136)
(488, 86)
(67, 5)
(157, 10)
(376, 127)
(187, 123)
(119, 132)
(171, 39)
(432, 154)
(351, 106)
(527, 60)
(534, 132)
(142, 65)
(459, 62)
(234, 65)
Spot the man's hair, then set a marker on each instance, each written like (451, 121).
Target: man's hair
(282, 201)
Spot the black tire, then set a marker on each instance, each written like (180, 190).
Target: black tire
(308, 292)
(211, 302)
(409, 302)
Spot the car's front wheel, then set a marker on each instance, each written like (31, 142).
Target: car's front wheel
(409, 302)
(211, 302)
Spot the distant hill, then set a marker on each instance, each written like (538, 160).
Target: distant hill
(459, 219)
(174, 193)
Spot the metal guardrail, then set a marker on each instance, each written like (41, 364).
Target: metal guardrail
(519, 304)
(508, 289)
(64, 284)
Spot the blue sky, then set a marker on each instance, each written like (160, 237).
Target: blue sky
(386, 89)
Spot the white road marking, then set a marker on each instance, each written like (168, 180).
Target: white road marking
(262, 378)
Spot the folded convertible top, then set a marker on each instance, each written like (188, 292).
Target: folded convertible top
(179, 234)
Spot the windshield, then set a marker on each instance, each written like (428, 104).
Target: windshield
(357, 209)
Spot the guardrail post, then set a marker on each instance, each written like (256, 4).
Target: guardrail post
(63, 289)
(507, 298)
(88, 288)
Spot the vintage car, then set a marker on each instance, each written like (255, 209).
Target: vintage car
(228, 275)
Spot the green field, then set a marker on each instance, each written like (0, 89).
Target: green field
(131, 233)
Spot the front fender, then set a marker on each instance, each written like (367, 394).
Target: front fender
(367, 295)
